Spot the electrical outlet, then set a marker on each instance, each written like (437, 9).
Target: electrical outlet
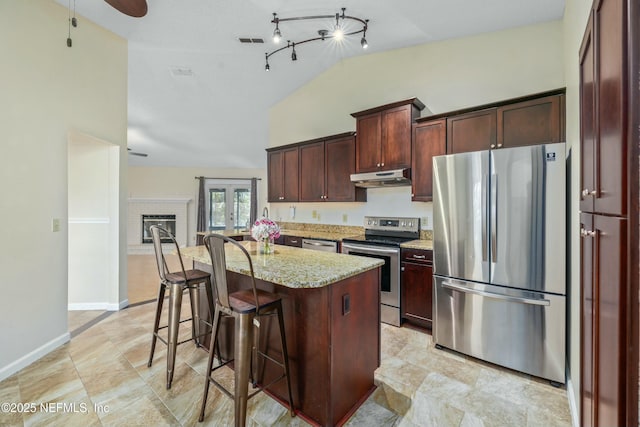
(314, 214)
(55, 225)
(344, 218)
(424, 221)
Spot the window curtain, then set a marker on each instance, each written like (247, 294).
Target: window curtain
(202, 211)
(253, 211)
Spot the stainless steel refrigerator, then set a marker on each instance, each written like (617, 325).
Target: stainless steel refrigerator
(499, 257)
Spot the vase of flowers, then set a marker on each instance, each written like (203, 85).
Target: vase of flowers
(265, 231)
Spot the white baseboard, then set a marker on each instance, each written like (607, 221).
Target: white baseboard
(26, 360)
(103, 306)
(573, 406)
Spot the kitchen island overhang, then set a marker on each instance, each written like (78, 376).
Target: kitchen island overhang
(332, 320)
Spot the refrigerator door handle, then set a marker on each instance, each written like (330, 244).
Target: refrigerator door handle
(483, 209)
(509, 298)
(494, 218)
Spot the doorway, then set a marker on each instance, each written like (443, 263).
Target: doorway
(228, 205)
(93, 212)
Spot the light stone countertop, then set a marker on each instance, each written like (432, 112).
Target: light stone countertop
(304, 234)
(289, 266)
(418, 244)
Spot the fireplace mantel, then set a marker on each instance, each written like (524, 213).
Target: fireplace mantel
(139, 206)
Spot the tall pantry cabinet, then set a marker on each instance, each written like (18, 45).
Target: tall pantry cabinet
(609, 120)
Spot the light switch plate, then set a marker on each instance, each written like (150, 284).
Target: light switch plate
(55, 225)
(344, 218)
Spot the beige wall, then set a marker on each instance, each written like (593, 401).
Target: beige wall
(48, 89)
(163, 182)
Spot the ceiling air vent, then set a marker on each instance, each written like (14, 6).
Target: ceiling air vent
(250, 40)
(181, 72)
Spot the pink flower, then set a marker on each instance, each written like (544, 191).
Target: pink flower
(264, 228)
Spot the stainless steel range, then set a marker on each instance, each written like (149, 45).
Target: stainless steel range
(382, 239)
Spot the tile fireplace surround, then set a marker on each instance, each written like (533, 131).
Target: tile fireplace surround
(154, 206)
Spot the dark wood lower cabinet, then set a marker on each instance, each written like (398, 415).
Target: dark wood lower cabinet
(333, 341)
(604, 320)
(416, 297)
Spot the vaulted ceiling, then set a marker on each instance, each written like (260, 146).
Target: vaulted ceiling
(200, 98)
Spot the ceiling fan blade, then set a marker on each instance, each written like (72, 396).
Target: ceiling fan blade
(135, 153)
(135, 8)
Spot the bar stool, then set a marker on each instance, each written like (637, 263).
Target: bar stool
(246, 307)
(177, 283)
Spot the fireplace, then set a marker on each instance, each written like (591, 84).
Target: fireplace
(168, 222)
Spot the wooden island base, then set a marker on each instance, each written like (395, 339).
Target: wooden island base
(333, 340)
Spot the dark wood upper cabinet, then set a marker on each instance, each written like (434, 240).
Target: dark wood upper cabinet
(429, 140)
(312, 172)
(474, 131)
(587, 121)
(529, 123)
(530, 120)
(340, 155)
(282, 173)
(603, 170)
(383, 135)
(326, 165)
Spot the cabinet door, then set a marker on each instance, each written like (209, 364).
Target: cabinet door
(604, 320)
(275, 177)
(587, 314)
(340, 158)
(587, 121)
(610, 290)
(290, 180)
(474, 131)
(368, 138)
(429, 140)
(417, 288)
(611, 163)
(529, 123)
(312, 172)
(396, 138)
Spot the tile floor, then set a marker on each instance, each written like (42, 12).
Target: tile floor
(101, 376)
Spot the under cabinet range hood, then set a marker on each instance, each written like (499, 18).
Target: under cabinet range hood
(391, 178)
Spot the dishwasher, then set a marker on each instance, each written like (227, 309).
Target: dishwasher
(320, 245)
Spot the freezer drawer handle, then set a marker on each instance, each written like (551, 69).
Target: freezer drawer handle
(495, 296)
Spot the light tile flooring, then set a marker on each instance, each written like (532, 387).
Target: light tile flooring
(102, 377)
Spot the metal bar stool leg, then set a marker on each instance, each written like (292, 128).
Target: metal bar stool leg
(242, 356)
(175, 303)
(156, 323)
(285, 356)
(212, 345)
(194, 300)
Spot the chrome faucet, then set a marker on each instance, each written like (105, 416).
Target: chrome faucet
(265, 212)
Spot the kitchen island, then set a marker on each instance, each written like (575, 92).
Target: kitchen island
(332, 320)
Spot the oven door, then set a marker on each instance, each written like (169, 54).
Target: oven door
(389, 277)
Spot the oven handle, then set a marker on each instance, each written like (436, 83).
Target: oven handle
(371, 249)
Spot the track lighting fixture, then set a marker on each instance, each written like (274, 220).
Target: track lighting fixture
(338, 33)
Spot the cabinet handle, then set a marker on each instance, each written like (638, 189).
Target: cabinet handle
(493, 145)
(499, 145)
(381, 164)
(587, 233)
(412, 195)
(419, 256)
(293, 241)
(586, 192)
(378, 164)
(401, 268)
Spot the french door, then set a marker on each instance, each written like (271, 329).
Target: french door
(229, 206)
